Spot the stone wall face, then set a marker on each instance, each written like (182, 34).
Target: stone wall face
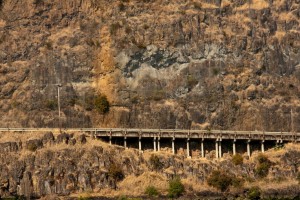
(176, 64)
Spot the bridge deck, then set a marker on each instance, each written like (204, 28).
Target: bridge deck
(172, 133)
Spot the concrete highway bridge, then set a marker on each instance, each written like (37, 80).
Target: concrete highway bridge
(172, 135)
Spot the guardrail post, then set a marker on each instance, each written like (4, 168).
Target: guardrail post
(202, 148)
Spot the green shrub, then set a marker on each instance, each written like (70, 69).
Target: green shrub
(254, 193)
(122, 7)
(84, 198)
(49, 45)
(37, 2)
(115, 172)
(102, 104)
(51, 104)
(32, 147)
(219, 180)
(191, 81)
(262, 158)
(176, 188)
(155, 163)
(114, 28)
(122, 198)
(151, 191)
(158, 95)
(263, 166)
(237, 182)
(197, 5)
(215, 71)
(237, 159)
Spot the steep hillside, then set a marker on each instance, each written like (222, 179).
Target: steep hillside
(222, 64)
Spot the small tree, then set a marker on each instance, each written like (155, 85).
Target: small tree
(263, 166)
(115, 172)
(254, 193)
(237, 159)
(155, 163)
(176, 188)
(219, 180)
(102, 104)
(151, 191)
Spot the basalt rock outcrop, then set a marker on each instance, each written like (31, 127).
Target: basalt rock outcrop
(174, 64)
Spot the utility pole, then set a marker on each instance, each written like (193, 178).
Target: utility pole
(58, 104)
(292, 121)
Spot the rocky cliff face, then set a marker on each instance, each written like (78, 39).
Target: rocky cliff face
(48, 165)
(219, 64)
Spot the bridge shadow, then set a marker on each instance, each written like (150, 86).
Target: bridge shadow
(194, 144)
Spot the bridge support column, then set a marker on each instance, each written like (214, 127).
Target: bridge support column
(220, 148)
(217, 149)
(263, 146)
(188, 148)
(154, 144)
(173, 145)
(234, 147)
(140, 144)
(109, 140)
(202, 148)
(125, 142)
(158, 144)
(248, 148)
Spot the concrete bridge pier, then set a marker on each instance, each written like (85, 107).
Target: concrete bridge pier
(220, 148)
(248, 148)
(263, 146)
(217, 149)
(202, 148)
(188, 148)
(158, 144)
(154, 144)
(140, 144)
(110, 138)
(125, 142)
(234, 147)
(173, 145)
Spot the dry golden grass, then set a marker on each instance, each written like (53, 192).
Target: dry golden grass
(256, 4)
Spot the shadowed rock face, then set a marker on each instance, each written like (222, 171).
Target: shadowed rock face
(176, 64)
